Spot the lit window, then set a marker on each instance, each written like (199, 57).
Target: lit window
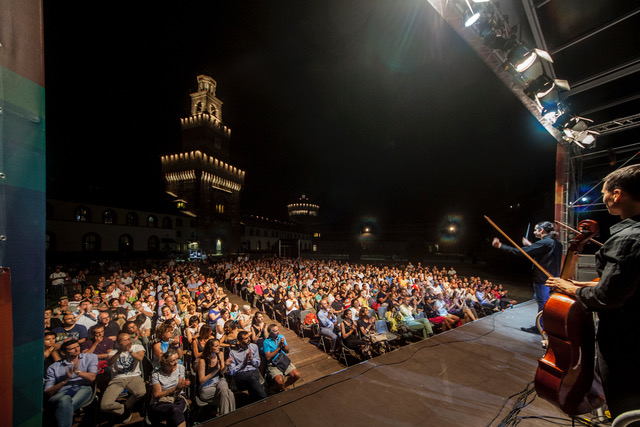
(82, 214)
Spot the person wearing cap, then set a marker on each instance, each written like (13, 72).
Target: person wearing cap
(63, 304)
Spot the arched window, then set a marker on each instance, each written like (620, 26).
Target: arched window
(82, 214)
(91, 242)
(248, 245)
(192, 223)
(178, 222)
(153, 244)
(132, 219)
(125, 244)
(258, 245)
(152, 221)
(109, 217)
(166, 222)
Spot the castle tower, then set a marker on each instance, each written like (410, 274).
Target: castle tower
(200, 175)
(303, 211)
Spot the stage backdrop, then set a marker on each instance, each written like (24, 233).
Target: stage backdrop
(22, 211)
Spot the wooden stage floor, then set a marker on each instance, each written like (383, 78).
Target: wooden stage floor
(458, 378)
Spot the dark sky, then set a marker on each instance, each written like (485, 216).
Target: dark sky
(372, 108)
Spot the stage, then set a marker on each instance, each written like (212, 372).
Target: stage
(457, 378)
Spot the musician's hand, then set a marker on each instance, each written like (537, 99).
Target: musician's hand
(525, 242)
(496, 243)
(562, 286)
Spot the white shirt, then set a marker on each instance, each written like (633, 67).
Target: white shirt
(87, 321)
(126, 365)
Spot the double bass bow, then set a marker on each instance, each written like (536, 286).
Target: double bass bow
(565, 374)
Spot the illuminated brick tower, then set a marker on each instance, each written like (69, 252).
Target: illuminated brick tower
(200, 177)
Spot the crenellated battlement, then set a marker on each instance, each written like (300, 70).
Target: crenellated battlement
(204, 119)
(202, 161)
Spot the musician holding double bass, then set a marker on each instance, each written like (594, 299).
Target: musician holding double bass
(616, 297)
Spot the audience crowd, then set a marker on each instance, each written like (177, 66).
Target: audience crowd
(161, 335)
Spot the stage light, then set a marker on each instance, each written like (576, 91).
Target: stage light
(551, 112)
(521, 57)
(576, 129)
(470, 18)
(540, 87)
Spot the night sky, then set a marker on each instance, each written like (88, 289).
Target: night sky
(373, 108)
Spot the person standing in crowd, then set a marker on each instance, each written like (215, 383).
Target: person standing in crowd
(547, 251)
(616, 296)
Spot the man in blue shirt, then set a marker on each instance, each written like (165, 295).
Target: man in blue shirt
(244, 362)
(327, 321)
(68, 382)
(276, 349)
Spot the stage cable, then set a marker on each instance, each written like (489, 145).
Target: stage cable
(525, 398)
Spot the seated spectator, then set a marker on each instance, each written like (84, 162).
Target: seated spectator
(219, 328)
(258, 329)
(99, 345)
(244, 318)
(275, 350)
(460, 308)
(307, 302)
(67, 384)
(450, 320)
(86, 315)
(76, 299)
(51, 322)
(200, 341)
(366, 326)
(131, 328)
(111, 328)
(234, 311)
(244, 365)
(166, 341)
(327, 321)
(230, 337)
(407, 313)
(213, 387)
(138, 308)
(51, 355)
(191, 312)
(292, 310)
(69, 331)
(125, 361)
(214, 312)
(193, 328)
(167, 387)
(350, 338)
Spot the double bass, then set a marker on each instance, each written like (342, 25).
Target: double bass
(565, 374)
